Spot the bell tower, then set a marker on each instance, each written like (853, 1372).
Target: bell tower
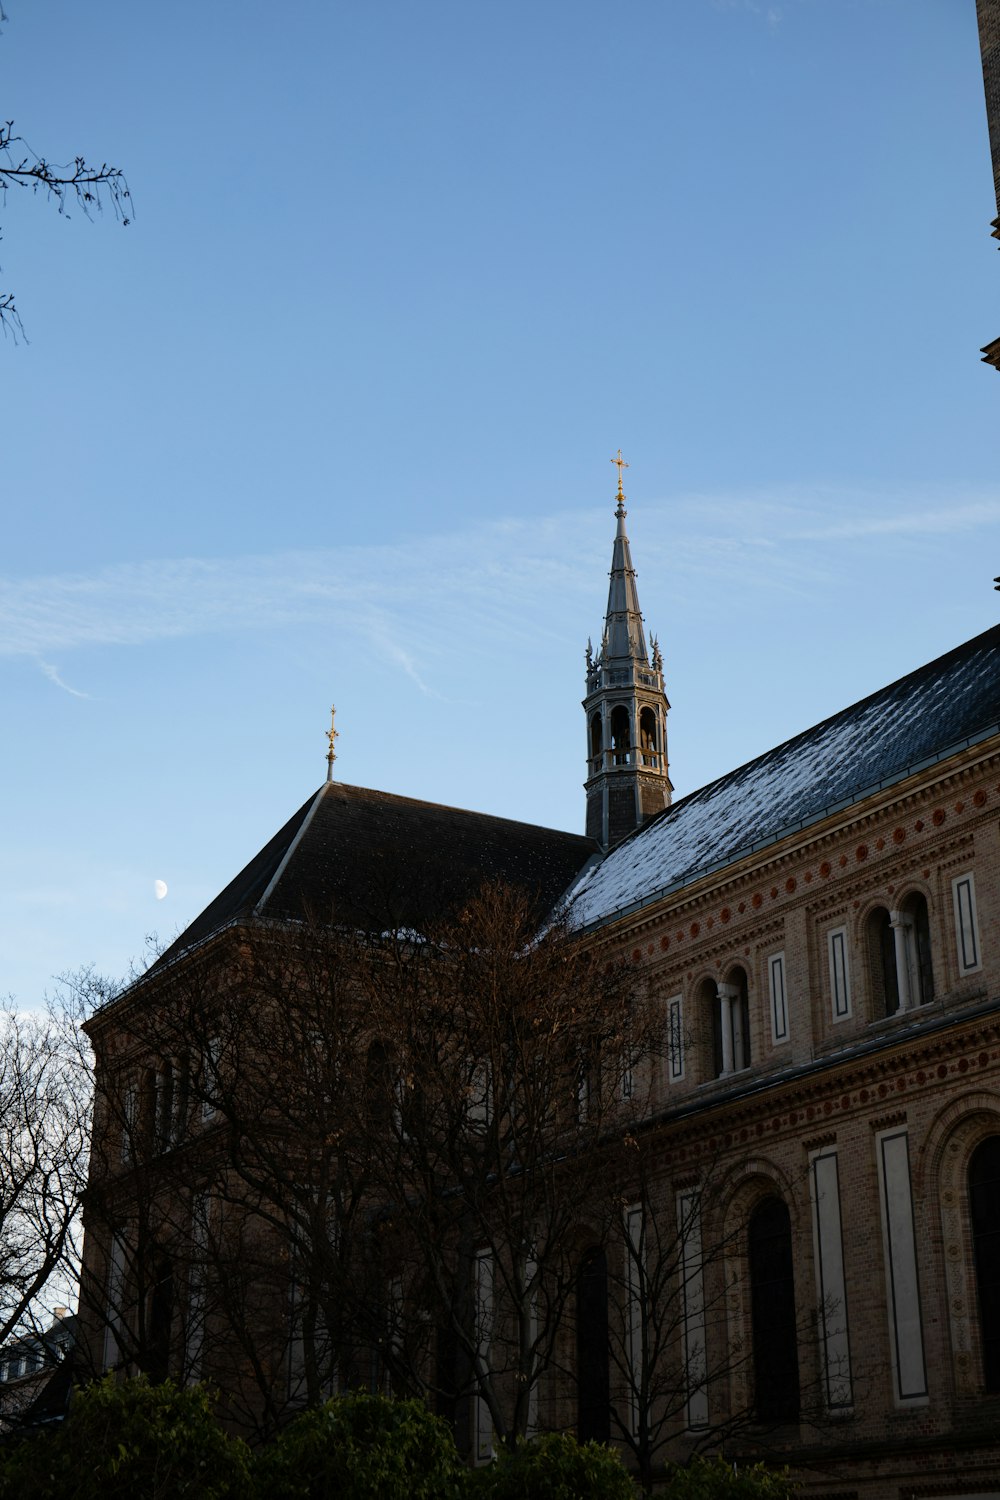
(626, 708)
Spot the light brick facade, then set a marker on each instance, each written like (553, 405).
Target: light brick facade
(899, 1102)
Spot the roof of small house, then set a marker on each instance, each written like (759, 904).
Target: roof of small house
(374, 861)
(923, 718)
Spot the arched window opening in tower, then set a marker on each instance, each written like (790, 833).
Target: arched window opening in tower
(772, 1303)
(596, 743)
(647, 738)
(984, 1212)
(621, 736)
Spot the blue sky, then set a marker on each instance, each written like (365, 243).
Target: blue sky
(331, 420)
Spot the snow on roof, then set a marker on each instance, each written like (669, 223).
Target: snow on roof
(932, 712)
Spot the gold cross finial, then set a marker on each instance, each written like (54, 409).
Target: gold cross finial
(621, 464)
(332, 736)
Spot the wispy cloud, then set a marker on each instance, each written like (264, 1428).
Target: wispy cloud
(514, 582)
(52, 673)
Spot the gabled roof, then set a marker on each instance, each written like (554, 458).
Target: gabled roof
(914, 722)
(373, 861)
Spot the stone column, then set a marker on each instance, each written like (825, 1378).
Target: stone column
(900, 926)
(727, 993)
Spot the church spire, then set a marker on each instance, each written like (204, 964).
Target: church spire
(626, 706)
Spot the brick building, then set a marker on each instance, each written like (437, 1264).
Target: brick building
(820, 932)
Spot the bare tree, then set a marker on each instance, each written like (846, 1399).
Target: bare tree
(497, 1076)
(78, 183)
(45, 1114)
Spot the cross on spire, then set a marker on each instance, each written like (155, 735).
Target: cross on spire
(620, 463)
(332, 735)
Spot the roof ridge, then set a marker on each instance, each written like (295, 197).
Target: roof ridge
(293, 845)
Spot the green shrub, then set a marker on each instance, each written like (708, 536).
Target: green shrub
(362, 1447)
(719, 1479)
(126, 1439)
(555, 1467)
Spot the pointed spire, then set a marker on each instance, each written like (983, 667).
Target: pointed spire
(623, 629)
(332, 735)
(626, 707)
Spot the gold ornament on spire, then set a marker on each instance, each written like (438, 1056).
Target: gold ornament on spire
(620, 464)
(332, 736)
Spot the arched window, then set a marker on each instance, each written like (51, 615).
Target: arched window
(710, 1015)
(621, 736)
(772, 1302)
(730, 1003)
(647, 737)
(899, 957)
(917, 938)
(984, 1211)
(593, 1386)
(882, 963)
(596, 742)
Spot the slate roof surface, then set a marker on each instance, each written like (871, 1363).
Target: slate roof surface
(931, 712)
(375, 861)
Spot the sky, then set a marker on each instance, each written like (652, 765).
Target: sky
(331, 420)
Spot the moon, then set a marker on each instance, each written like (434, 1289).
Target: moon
(160, 887)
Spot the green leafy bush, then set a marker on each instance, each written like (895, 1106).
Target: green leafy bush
(555, 1467)
(719, 1479)
(362, 1447)
(125, 1439)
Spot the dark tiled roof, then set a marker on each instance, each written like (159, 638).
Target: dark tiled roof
(374, 861)
(911, 723)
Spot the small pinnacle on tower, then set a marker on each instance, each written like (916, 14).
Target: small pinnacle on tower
(332, 736)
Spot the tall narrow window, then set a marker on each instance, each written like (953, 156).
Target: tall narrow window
(840, 977)
(984, 1211)
(963, 891)
(779, 1002)
(772, 1300)
(737, 985)
(675, 1039)
(596, 743)
(593, 1386)
(130, 1122)
(161, 1314)
(194, 1323)
(647, 738)
(210, 1082)
(635, 1277)
(114, 1317)
(917, 945)
(483, 1292)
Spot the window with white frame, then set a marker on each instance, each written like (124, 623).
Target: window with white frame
(210, 1082)
(130, 1121)
(963, 890)
(480, 1108)
(627, 1083)
(482, 1421)
(634, 1280)
(675, 1039)
(840, 973)
(779, 999)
